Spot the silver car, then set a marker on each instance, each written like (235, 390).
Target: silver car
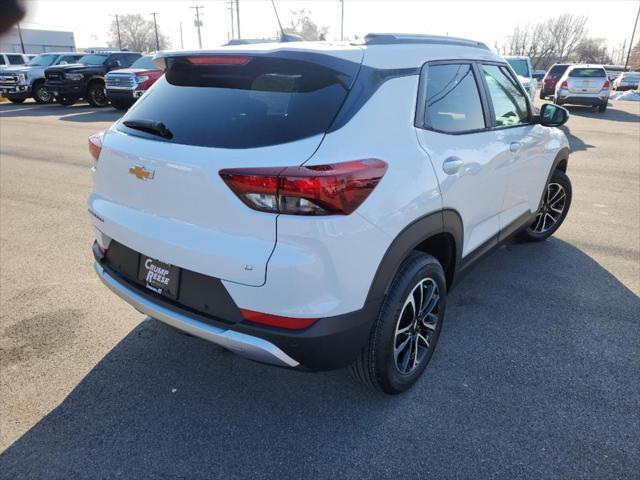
(627, 81)
(583, 85)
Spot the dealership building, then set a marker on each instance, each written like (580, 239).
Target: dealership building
(37, 41)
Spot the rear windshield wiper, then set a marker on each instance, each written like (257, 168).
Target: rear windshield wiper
(150, 126)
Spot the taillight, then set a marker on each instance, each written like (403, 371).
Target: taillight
(276, 320)
(95, 145)
(606, 85)
(332, 189)
(564, 85)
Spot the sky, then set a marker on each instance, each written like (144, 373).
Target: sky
(482, 20)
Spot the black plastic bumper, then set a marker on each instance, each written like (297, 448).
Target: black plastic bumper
(66, 89)
(330, 343)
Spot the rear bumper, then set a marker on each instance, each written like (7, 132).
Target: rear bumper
(593, 99)
(330, 343)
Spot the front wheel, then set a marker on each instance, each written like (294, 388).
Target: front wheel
(16, 99)
(556, 201)
(406, 331)
(41, 94)
(97, 95)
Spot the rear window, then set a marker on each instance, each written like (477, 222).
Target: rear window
(256, 102)
(587, 72)
(520, 66)
(558, 69)
(15, 59)
(144, 62)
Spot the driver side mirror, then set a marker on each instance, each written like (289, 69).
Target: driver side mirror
(552, 115)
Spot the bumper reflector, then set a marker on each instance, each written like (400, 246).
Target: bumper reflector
(277, 321)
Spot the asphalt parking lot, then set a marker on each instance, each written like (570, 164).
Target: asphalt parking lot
(536, 375)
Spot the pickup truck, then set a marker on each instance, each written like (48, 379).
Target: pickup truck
(126, 85)
(17, 83)
(70, 83)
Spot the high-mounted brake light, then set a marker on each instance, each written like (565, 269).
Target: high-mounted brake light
(95, 144)
(333, 189)
(219, 60)
(277, 321)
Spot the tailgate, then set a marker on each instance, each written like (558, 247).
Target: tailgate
(585, 85)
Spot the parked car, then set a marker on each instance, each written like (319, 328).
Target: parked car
(376, 217)
(70, 83)
(548, 88)
(11, 58)
(125, 86)
(627, 81)
(538, 75)
(522, 66)
(21, 82)
(584, 85)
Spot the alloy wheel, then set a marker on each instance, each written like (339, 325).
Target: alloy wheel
(44, 95)
(100, 96)
(416, 326)
(551, 210)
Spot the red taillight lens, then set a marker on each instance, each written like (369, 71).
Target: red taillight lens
(332, 189)
(276, 320)
(95, 145)
(219, 60)
(606, 85)
(564, 85)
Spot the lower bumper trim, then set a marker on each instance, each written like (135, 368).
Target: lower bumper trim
(247, 346)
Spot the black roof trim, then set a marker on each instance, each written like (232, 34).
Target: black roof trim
(408, 38)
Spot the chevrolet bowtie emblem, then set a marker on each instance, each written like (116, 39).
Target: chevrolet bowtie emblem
(141, 173)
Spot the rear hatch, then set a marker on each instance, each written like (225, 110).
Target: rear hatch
(160, 194)
(586, 80)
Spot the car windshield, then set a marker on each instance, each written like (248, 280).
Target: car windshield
(587, 72)
(246, 103)
(144, 62)
(42, 60)
(93, 59)
(520, 66)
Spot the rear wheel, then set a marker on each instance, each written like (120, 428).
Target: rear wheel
(406, 331)
(97, 95)
(555, 206)
(602, 107)
(66, 101)
(41, 94)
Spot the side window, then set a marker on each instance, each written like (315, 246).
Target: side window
(15, 59)
(69, 59)
(509, 102)
(452, 99)
(127, 60)
(2, 60)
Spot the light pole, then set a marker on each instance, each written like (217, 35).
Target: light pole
(118, 29)
(631, 43)
(20, 35)
(198, 22)
(342, 21)
(155, 24)
(238, 16)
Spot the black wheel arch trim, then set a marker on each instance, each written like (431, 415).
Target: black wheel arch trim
(560, 162)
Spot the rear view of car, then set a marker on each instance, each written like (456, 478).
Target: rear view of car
(627, 81)
(124, 86)
(584, 85)
(550, 80)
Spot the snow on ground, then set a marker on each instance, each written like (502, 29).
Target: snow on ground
(629, 95)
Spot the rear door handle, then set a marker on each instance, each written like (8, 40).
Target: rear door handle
(451, 165)
(514, 146)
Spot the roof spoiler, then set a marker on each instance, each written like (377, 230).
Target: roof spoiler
(410, 38)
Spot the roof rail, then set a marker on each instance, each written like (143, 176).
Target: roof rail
(404, 38)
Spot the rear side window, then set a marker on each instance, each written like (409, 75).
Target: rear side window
(243, 102)
(509, 103)
(2, 60)
(587, 73)
(15, 59)
(452, 99)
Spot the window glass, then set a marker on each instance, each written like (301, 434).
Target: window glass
(453, 100)
(93, 59)
(70, 59)
(509, 103)
(262, 101)
(587, 72)
(145, 62)
(42, 60)
(1, 60)
(15, 59)
(520, 66)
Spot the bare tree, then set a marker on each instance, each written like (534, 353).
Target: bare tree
(301, 24)
(591, 50)
(137, 34)
(634, 58)
(553, 40)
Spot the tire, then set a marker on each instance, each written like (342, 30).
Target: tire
(378, 365)
(556, 101)
(120, 105)
(97, 95)
(66, 101)
(41, 95)
(16, 99)
(554, 208)
(542, 96)
(602, 107)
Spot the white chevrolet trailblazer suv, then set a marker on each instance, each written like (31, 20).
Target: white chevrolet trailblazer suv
(310, 205)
